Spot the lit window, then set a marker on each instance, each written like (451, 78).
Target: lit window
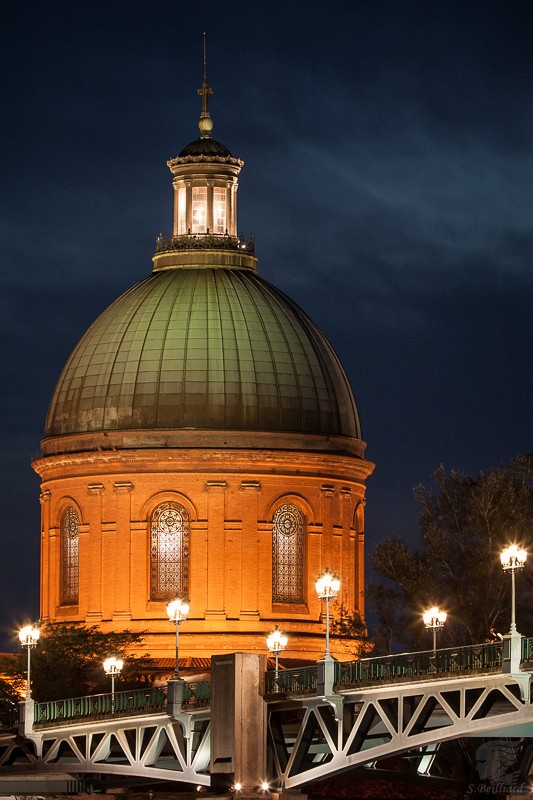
(69, 565)
(219, 210)
(169, 552)
(199, 209)
(288, 555)
(182, 211)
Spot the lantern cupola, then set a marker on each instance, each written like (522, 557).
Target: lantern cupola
(205, 200)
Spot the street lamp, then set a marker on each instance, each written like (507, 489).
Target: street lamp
(276, 643)
(434, 620)
(113, 666)
(327, 586)
(177, 611)
(513, 559)
(29, 636)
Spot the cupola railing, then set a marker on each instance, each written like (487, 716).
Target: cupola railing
(205, 241)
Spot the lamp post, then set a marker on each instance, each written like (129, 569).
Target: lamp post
(113, 667)
(177, 611)
(434, 620)
(327, 586)
(29, 636)
(513, 559)
(276, 643)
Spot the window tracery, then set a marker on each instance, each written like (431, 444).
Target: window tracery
(169, 552)
(288, 555)
(69, 560)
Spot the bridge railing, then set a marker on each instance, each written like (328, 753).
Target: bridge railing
(100, 705)
(527, 648)
(298, 680)
(470, 658)
(126, 703)
(197, 693)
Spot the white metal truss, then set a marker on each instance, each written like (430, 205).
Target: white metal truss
(157, 747)
(312, 738)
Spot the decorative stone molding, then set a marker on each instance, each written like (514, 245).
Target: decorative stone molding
(253, 486)
(327, 490)
(45, 497)
(96, 488)
(211, 485)
(120, 487)
(345, 493)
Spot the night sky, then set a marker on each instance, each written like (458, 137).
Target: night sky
(388, 177)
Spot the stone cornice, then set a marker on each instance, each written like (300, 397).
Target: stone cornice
(197, 439)
(314, 466)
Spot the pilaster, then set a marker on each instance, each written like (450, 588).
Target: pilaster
(347, 550)
(249, 549)
(44, 500)
(360, 562)
(122, 609)
(95, 492)
(327, 492)
(216, 556)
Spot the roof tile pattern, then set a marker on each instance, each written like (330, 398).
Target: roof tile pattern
(211, 349)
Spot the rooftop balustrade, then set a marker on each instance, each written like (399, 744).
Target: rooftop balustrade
(205, 241)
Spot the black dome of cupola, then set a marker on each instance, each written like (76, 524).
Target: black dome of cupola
(205, 147)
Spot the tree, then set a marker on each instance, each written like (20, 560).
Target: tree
(464, 524)
(67, 662)
(348, 628)
(9, 705)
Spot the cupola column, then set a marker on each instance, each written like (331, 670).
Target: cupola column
(209, 221)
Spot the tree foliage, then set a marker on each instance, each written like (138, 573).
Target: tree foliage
(67, 662)
(349, 629)
(9, 705)
(464, 525)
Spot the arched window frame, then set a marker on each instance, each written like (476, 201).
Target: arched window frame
(69, 569)
(288, 538)
(169, 551)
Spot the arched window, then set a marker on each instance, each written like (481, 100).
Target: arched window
(169, 552)
(69, 565)
(288, 555)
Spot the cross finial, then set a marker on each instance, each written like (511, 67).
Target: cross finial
(205, 123)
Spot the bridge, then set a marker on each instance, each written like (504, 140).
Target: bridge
(303, 725)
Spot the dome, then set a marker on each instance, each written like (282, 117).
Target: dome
(205, 147)
(205, 349)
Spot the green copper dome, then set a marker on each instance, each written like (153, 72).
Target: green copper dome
(204, 349)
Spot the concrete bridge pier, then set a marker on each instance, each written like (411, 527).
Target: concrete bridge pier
(238, 723)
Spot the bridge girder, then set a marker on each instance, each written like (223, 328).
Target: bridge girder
(157, 747)
(313, 738)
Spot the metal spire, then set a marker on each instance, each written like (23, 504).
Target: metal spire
(205, 122)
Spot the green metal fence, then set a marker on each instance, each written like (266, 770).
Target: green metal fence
(527, 648)
(471, 658)
(300, 680)
(123, 704)
(99, 705)
(197, 694)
